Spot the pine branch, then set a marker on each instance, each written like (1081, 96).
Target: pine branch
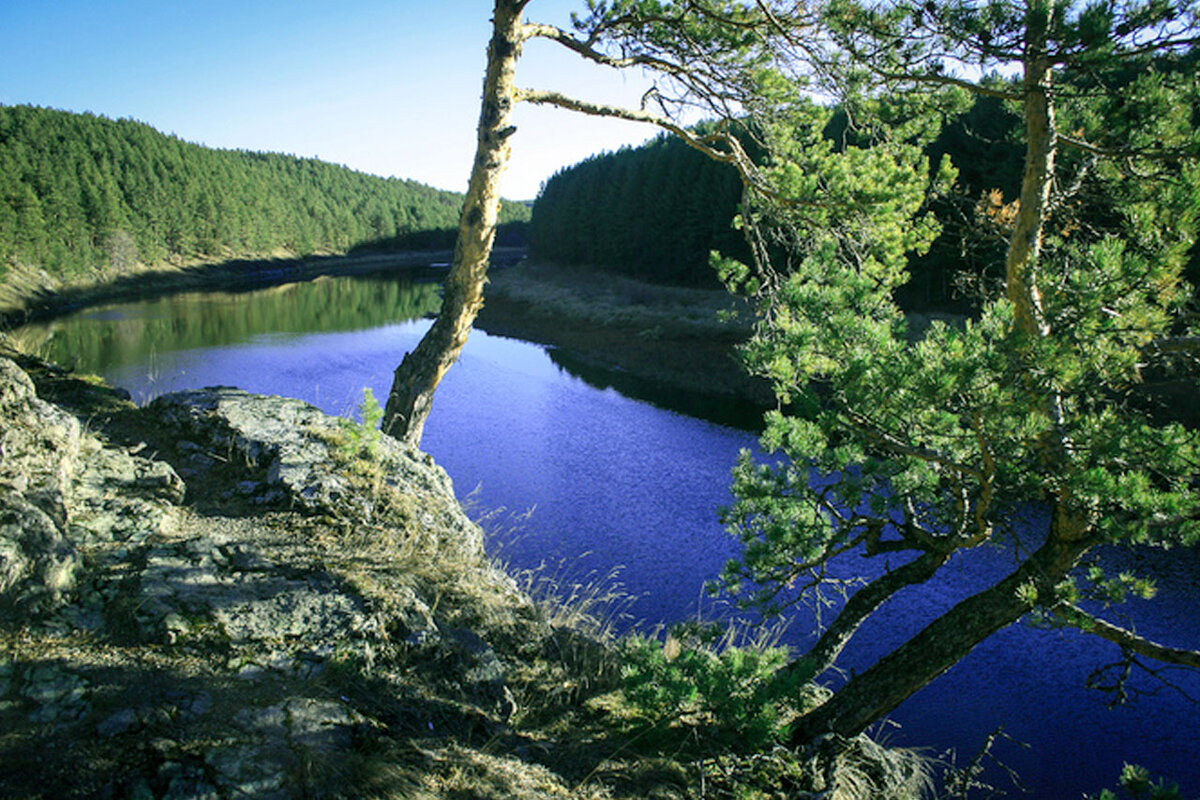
(1125, 152)
(1173, 344)
(861, 605)
(585, 49)
(1129, 640)
(735, 155)
(950, 80)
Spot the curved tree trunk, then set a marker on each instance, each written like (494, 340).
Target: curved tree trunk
(942, 644)
(859, 607)
(413, 384)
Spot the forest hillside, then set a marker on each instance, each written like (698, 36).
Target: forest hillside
(82, 194)
(655, 212)
(652, 212)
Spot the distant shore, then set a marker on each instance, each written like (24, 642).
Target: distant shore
(611, 329)
(669, 335)
(28, 297)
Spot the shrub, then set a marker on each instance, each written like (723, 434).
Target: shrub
(740, 695)
(362, 438)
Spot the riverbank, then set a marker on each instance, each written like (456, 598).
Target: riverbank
(672, 346)
(228, 595)
(622, 330)
(31, 294)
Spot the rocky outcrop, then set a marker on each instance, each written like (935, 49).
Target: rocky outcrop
(60, 490)
(285, 624)
(224, 595)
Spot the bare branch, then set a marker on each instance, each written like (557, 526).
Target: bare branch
(1174, 344)
(735, 155)
(861, 605)
(1129, 640)
(541, 31)
(618, 112)
(1123, 152)
(949, 80)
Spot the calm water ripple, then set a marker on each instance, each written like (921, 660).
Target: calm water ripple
(616, 482)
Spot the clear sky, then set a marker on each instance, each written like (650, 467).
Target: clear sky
(389, 87)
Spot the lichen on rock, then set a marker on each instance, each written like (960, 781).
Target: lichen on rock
(257, 632)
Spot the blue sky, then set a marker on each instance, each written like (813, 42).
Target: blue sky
(384, 86)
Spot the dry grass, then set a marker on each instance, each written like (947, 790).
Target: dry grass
(571, 735)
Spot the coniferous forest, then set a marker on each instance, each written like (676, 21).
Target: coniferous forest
(80, 192)
(655, 212)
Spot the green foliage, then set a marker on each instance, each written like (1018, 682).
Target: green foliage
(362, 438)
(912, 448)
(659, 210)
(1137, 783)
(652, 212)
(948, 436)
(80, 193)
(741, 695)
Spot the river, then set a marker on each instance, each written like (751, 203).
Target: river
(618, 484)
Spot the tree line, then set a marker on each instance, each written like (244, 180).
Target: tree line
(80, 192)
(655, 212)
(652, 212)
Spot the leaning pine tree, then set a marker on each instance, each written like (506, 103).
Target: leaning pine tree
(702, 51)
(1023, 426)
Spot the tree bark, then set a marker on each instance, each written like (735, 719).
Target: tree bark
(942, 644)
(1025, 245)
(861, 605)
(414, 381)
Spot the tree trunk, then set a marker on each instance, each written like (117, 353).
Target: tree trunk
(861, 605)
(942, 644)
(413, 384)
(1025, 245)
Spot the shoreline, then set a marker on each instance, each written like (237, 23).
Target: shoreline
(21, 304)
(626, 331)
(607, 330)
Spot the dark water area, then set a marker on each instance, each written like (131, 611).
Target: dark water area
(617, 481)
(723, 410)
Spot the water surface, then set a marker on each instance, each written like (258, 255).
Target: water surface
(616, 482)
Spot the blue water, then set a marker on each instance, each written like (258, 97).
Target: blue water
(616, 482)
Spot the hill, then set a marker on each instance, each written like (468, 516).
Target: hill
(655, 212)
(652, 212)
(83, 196)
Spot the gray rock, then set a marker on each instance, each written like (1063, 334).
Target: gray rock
(243, 771)
(320, 725)
(58, 694)
(61, 489)
(215, 647)
(275, 609)
(39, 443)
(482, 673)
(38, 564)
(285, 443)
(118, 723)
(201, 704)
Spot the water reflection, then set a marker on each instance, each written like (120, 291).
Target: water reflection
(619, 482)
(731, 411)
(126, 334)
